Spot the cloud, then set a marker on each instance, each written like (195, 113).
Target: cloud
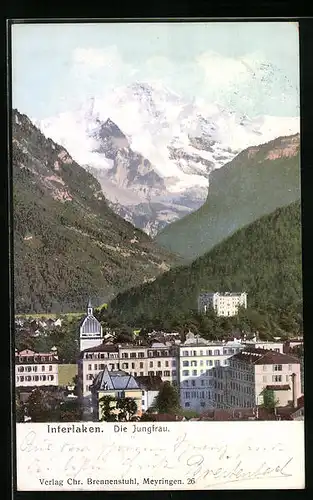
(219, 70)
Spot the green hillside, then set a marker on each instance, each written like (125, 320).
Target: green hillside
(68, 244)
(263, 259)
(255, 183)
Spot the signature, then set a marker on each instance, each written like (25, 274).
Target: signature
(208, 464)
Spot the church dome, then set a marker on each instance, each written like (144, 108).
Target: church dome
(91, 325)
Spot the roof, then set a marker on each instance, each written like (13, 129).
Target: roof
(264, 357)
(90, 324)
(283, 413)
(114, 380)
(150, 382)
(102, 348)
(278, 387)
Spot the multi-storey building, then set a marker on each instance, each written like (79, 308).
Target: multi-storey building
(200, 382)
(90, 331)
(253, 370)
(159, 360)
(224, 304)
(91, 362)
(36, 369)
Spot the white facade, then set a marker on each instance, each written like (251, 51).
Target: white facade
(35, 369)
(90, 332)
(148, 399)
(224, 304)
(157, 360)
(200, 384)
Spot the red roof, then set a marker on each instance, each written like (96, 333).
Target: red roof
(264, 357)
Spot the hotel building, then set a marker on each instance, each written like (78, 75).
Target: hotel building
(224, 304)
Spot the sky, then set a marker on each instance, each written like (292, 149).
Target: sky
(250, 67)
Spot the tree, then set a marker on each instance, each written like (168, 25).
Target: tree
(167, 401)
(127, 409)
(107, 404)
(269, 400)
(70, 411)
(117, 410)
(19, 409)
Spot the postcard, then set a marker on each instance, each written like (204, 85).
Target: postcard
(158, 330)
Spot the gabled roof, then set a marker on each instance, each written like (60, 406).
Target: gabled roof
(114, 380)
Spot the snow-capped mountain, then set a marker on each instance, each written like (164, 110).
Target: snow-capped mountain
(153, 152)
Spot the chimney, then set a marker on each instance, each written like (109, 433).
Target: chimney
(294, 392)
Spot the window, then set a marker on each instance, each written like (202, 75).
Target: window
(141, 354)
(187, 405)
(289, 368)
(151, 364)
(141, 374)
(216, 363)
(264, 368)
(185, 363)
(143, 393)
(101, 366)
(202, 382)
(277, 350)
(185, 373)
(140, 365)
(143, 402)
(43, 377)
(277, 378)
(95, 366)
(194, 373)
(36, 378)
(201, 353)
(135, 374)
(28, 378)
(132, 355)
(43, 368)
(174, 362)
(125, 355)
(50, 368)
(216, 352)
(193, 363)
(125, 366)
(133, 366)
(173, 373)
(166, 363)
(159, 373)
(193, 383)
(35, 368)
(28, 368)
(277, 368)
(185, 353)
(150, 373)
(22, 378)
(167, 373)
(159, 364)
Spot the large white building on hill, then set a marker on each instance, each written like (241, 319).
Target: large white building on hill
(224, 304)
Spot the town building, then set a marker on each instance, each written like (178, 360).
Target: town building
(157, 360)
(117, 384)
(224, 304)
(36, 369)
(253, 370)
(90, 331)
(91, 362)
(150, 386)
(200, 383)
